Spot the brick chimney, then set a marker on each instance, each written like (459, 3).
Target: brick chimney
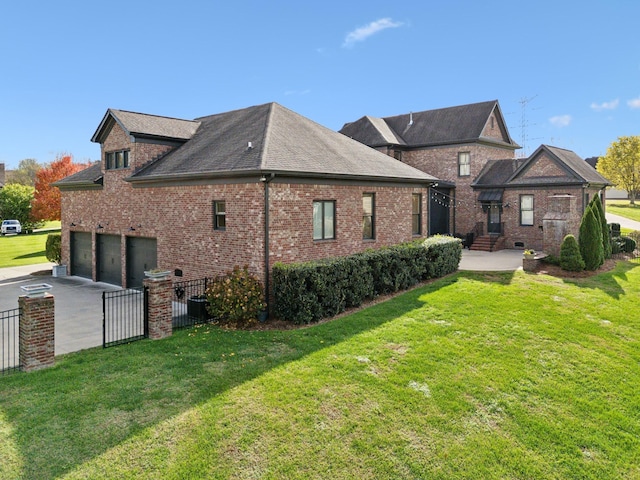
(2, 179)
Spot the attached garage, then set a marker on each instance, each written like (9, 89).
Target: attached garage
(108, 259)
(81, 259)
(141, 255)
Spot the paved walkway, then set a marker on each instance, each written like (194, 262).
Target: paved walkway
(78, 304)
(500, 261)
(624, 222)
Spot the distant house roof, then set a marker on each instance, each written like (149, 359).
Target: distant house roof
(142, 125)
(444, 126)
(512, 173)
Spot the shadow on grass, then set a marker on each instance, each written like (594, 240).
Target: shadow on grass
(607, 282)
(94, 400)
(41, 253)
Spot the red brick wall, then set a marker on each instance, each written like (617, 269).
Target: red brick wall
(532, 236)
(442, 163)
(139, 153)
(181, 219)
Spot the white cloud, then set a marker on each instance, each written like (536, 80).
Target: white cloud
(297, 92)
(362, 33)
(560, 121)
(612, 105)
(634, 103)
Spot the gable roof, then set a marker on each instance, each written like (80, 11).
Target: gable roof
(90, 177)
(510, 173)
(444, 126)
(270, 138)
(142, 125)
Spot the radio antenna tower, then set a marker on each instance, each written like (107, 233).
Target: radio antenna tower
(524, 124)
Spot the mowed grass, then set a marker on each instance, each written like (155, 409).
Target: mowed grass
(17, 250)
(487, 376)
(624, 209)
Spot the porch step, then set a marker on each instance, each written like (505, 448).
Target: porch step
(488, 243)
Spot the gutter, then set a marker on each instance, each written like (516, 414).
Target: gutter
(266, 179)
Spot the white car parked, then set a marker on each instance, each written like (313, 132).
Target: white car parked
(10, 226)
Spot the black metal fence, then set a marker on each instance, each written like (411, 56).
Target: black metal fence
(190, 303)
(124, 316)
(9, 341)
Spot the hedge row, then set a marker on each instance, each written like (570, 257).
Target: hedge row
(308, 292)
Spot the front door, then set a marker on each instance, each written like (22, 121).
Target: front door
(494, 225)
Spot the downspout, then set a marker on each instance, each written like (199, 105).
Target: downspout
(266, 179)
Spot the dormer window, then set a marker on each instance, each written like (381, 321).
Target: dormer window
(116, 160)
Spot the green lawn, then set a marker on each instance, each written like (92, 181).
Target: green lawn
(16, 250)
(624, 209)
(502, 375)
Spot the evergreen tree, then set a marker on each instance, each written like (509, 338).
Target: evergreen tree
(590, 240)
(606, 235)
(570, 258)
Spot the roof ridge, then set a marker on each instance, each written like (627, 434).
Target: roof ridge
(153, 115)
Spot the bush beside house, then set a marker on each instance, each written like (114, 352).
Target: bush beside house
(570, 258)
(307, 292)
(590, 240)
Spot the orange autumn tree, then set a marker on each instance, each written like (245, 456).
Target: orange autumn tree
(46, 200)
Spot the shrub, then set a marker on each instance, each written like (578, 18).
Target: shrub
(606, 233)
(590, 240)
(307, 292)
(235, 298)
(570, 258)
(53, 249)
(623, 244)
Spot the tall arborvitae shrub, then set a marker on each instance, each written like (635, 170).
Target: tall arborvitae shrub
(590, 240)
(570, 258)
(606, 235)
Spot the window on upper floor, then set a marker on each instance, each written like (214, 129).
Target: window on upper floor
(117, 159)
(324, 219)
(368, 216)
(219, 215)
(416, 214)
(526, 210)
(397, 154)
(464, 164)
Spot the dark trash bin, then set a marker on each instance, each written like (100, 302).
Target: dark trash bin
(197, 307)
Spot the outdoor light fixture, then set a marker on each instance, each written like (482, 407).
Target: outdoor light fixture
(99, 226)
(72, 224)
(131, 229)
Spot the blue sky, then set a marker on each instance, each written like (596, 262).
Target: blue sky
(574, 66)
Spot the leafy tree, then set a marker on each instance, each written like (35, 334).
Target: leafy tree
(606, 234)
(15, 203)
(25, 174)
(570, 258)
(46, 201)
(590, 240)
(621, 165)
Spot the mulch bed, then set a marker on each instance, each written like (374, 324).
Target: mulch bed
(556, 271)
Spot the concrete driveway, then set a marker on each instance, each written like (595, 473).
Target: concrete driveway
(78, 304)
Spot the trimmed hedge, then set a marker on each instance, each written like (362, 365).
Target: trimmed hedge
(307, 292)
(53, 248)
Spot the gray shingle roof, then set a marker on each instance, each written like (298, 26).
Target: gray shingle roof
(144, 125)
(502, 172)
(282, 142)
(90, 177)
(460, 124)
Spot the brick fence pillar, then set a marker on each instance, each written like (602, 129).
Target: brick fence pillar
(36, 337)
(160, 309)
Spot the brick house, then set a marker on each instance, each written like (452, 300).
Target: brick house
(483, 189)
(248, 187)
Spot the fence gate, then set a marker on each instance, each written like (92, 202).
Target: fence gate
(124, 316)
(9, 342)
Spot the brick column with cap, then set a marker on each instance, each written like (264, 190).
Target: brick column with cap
(160, 309)
(37, 337)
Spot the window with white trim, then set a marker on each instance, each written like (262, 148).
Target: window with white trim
(526, 210)
(464, 164)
